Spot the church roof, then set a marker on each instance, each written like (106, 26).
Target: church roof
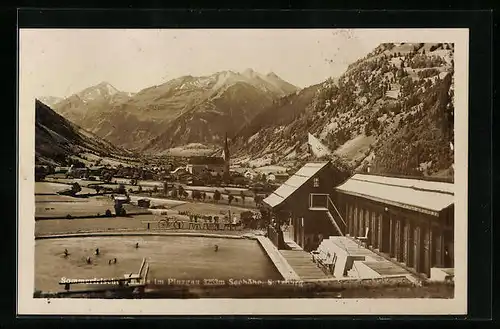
(206, 160)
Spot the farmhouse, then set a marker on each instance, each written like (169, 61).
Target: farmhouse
(410, 220)
(304, 202)
(95, 170)
(76, 172)
(61, 170)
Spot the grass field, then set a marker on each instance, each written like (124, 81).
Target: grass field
(96, 204)
(54, 206)
(53, 188)
(114, 224)
(49, 188)
(209, 209)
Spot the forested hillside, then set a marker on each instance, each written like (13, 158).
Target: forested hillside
(392, 110)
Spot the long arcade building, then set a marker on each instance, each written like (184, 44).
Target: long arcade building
(410, 220)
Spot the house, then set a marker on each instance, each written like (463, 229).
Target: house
(250, 174)
(121, 199)
(304, 202)
(96, 170)
(144, 203)
(61, 170)
(410, 220)
(277, 177)
(76, 172)
(199, 164)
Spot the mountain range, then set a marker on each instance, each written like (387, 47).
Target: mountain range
(181, 111)
(390, 112)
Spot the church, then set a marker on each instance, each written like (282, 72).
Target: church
(216, 165)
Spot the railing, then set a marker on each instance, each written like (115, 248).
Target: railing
(336, 210)
(327, 204)
(138, 279)
(273, 235)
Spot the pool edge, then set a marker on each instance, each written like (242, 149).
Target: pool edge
(281, 264)
(101, 234)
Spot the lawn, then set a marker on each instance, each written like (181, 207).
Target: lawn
(115, 224)
(209, 209)
(60, 206)
(49, 188)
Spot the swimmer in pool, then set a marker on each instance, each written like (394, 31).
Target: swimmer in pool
(216, 248)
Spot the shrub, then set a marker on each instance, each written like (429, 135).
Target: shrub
(427, 73)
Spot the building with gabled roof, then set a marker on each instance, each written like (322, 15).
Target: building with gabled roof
(409, 220)
(304, 202)
(200, 164)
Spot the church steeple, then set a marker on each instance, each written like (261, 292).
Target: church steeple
(226, 156)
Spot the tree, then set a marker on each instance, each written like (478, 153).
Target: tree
(121, 189)
(75, 188)
(230, 198)
(139, 189)
(196, 195)
(97, 189)
(118, 209)
(258, 199)
(181, 191)
(107, 176)
(242, 195)
(165, 188)
(217, 196)
(174, 193)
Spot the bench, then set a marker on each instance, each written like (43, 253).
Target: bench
(324, 260)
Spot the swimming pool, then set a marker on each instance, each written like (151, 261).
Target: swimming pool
(169, 257)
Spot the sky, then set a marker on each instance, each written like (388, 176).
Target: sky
(65, 61)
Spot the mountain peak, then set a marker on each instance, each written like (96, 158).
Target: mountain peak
(108, 86)
(249, 72)
(272, 75)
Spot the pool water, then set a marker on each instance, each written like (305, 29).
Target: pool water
(169, 257)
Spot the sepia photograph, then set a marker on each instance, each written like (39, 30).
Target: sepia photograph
(214, 169)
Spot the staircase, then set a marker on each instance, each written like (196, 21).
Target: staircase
(328, 208)
(302, 264)
(300, 260)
